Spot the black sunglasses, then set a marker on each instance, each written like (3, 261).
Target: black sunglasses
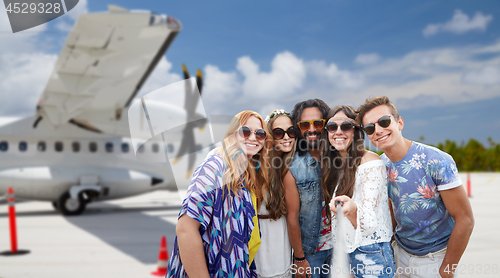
(332, 127)
(245, 132)
(279, 133)
(318, 124)
(384, 121)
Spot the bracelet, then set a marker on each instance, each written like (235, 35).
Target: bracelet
(296, 261)
(299, 259)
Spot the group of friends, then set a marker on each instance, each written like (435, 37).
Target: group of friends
(265, 203)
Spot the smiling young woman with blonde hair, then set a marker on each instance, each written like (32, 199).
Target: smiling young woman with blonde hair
(217, 231)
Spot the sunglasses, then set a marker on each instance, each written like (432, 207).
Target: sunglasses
(384, 121)
(279, 133)
(332, 127)
(245, 132)
(318, 124)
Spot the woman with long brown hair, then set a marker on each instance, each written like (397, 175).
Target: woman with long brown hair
(358, 179)
(217, 231)
(274, 257)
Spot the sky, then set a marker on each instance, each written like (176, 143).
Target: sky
(438, 61)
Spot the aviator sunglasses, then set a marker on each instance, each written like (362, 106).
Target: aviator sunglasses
(332, 127)
(318, 124)
(245, 132)
(279, 133)
(384, 121)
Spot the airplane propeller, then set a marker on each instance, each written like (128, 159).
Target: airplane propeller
(188, 144)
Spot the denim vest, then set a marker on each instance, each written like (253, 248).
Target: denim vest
(307, 173)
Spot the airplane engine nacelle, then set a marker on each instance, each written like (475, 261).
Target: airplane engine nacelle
(50, 182)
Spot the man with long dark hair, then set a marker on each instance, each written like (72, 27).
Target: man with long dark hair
(303, 196)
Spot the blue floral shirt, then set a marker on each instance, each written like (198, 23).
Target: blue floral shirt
(423, 223)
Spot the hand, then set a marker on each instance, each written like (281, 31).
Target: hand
(348, 205)
(446, 272)
(302, 269)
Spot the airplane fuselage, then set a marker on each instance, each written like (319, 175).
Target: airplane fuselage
(41, 163)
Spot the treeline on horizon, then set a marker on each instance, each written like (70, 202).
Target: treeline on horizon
(472, 156)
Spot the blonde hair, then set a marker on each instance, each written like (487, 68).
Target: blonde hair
(255, 171)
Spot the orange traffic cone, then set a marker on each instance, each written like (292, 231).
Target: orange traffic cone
(162, 259)
(13, 229)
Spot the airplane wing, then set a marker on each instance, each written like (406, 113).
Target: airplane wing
(106, 59)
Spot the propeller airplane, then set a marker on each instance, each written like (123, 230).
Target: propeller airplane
(78, 148)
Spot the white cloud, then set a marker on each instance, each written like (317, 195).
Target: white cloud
(80, 8)
(433, 77)
(64, 25)
(24, 77)
(488, 75)
(286, 76)
(431, 29)
(218, 85)
(441, 76)
(267, 108)
(160, 77)
(333, 76)
(17, 42)
(459, 24)
(24, 70)
(429, 63)
(441, 89)
(66, 22)
(367, 58)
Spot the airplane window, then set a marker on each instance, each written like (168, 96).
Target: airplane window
(41, 146)
(125, 147)
(109, 147)
(198, 147)
(141, 149)
(93, 147)
(75, 146)
(170, 148)
(155, 147)
(58, 146)
(4, 146)
(23, 146)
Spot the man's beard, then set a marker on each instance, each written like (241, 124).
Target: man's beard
(312, 144)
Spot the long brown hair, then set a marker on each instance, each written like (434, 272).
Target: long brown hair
(276, 206)
(333, 165)
(255, 171)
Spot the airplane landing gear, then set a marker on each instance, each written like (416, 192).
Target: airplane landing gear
(70, 206)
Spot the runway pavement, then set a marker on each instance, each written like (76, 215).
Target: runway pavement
(121, 238)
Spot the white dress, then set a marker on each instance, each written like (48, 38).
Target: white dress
(274, 257)
(374, 223)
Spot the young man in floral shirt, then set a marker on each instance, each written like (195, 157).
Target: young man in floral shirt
(433, 216)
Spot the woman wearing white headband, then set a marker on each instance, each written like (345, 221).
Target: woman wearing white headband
(274, 257)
